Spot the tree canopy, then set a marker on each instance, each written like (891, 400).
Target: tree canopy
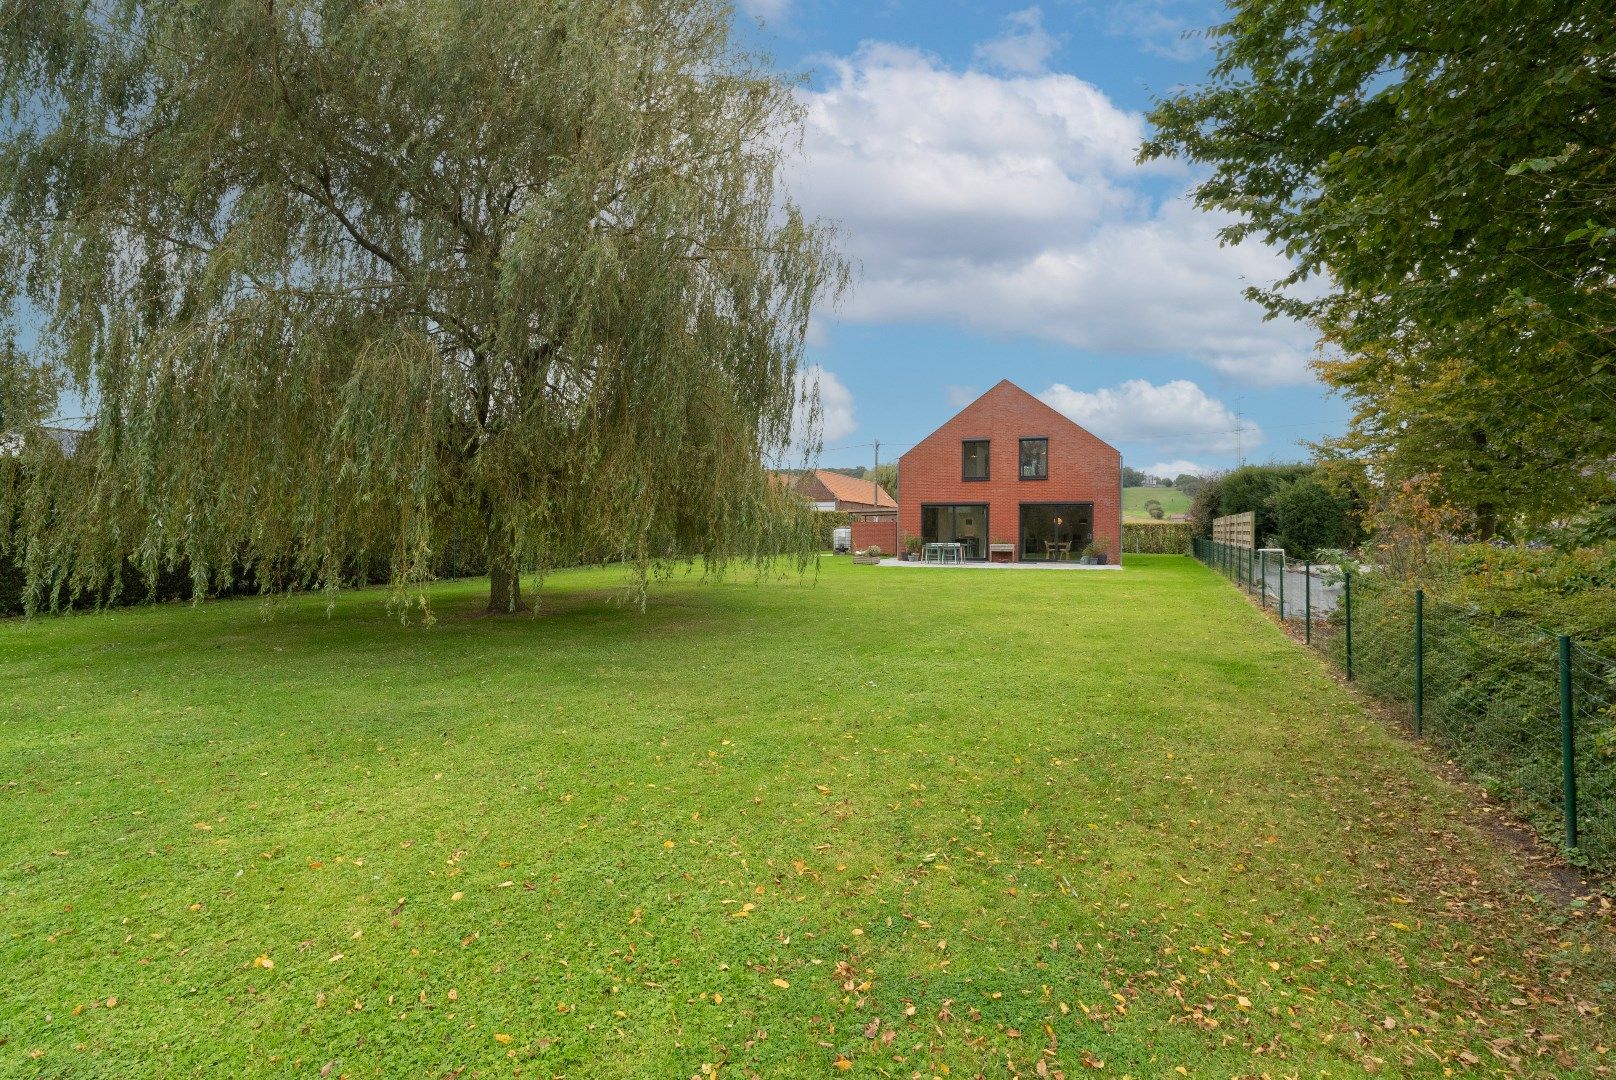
(343, 281)
(1444, 174)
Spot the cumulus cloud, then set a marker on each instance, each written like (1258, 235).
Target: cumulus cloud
(1178, 413)
(1166, 28)
(1013, 205)
(1172, 470)
(836, 419)
(1025, 46)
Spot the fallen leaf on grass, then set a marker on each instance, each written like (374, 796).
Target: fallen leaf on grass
(263, 961)
(502, 1038)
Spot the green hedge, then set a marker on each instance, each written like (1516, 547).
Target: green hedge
(1157, 537)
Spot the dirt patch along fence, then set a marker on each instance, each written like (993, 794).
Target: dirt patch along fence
(1529, 714)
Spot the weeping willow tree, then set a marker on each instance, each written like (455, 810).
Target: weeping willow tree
(348, 281)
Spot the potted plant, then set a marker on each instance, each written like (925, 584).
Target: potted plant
(911, 547)
(869, 556)
(1086, 556)
(1102, 551)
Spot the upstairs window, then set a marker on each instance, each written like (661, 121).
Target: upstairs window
(975, 459)
(1035, 459)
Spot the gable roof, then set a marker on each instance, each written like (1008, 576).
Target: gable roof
(1004, 388)
(844, 488)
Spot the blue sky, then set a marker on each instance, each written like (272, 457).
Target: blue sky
(978, 159)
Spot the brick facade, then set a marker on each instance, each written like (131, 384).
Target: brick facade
(1082, 468)
(883, 534)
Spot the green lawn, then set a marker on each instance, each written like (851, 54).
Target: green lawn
(900, 822)
(1174, 502)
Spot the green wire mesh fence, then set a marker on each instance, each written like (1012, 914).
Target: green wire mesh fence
(1529, 714)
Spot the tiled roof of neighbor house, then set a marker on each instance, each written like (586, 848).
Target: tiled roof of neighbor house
(851, 489)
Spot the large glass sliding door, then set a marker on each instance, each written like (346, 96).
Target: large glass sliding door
(962, 523)
(1056, 530)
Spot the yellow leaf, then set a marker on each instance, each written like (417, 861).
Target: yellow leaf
(458, 896)
(667, 843)
(843, 1064)
(718, 999)
(194, 907)
(782, 984)
(263, 961)
(501, 1037)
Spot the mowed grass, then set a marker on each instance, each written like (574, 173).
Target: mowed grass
(1174, 502)
(886, 822)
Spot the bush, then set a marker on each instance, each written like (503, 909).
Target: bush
(1157, 538)
(1308, 516)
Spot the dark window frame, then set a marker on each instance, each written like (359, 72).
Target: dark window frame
(987, 460)
(1021, 450)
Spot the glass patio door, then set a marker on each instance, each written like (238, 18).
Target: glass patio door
(962, 523)
(1056, 530)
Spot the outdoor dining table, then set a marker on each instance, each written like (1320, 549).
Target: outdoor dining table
(943, 552)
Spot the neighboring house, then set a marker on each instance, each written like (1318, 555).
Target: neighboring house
(865, 500)
(1008, 468)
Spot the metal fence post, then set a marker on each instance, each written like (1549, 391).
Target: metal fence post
(1419, 662)
(1307, 601)
(1281, 586)
(1263, 570)
(1346, 597)
(1568, 760)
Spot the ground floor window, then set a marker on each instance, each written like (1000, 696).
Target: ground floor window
(962, 523)
(1056, 530)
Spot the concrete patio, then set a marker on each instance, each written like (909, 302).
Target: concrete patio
(1074, 565)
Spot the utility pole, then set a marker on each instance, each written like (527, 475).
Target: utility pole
(875, 489)
(1240, 438)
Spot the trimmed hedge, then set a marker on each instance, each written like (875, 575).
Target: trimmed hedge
(1157, 537)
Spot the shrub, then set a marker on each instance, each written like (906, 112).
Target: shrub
(1308, 516)
(1157, 538)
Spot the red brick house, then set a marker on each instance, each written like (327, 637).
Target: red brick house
(1009, 469)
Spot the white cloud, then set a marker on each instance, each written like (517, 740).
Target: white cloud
(1179, 414)
(1164, 27)
(1013, 205)
(836, 419)
(960, 396)
(1025, 46)
(1172, 470)
(765, 9)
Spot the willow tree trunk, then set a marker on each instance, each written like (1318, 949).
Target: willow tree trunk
(504, 574)
(504, 584)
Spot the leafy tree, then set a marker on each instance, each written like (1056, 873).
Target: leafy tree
(1188, 483)
(886, 475)
(1154, 508)
(1447, 172)
(1132, 477)
(1207, 504)
(1308, 516)
(349, 279)
(1252, 487)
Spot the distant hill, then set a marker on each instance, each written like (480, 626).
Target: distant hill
(1175, 504)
